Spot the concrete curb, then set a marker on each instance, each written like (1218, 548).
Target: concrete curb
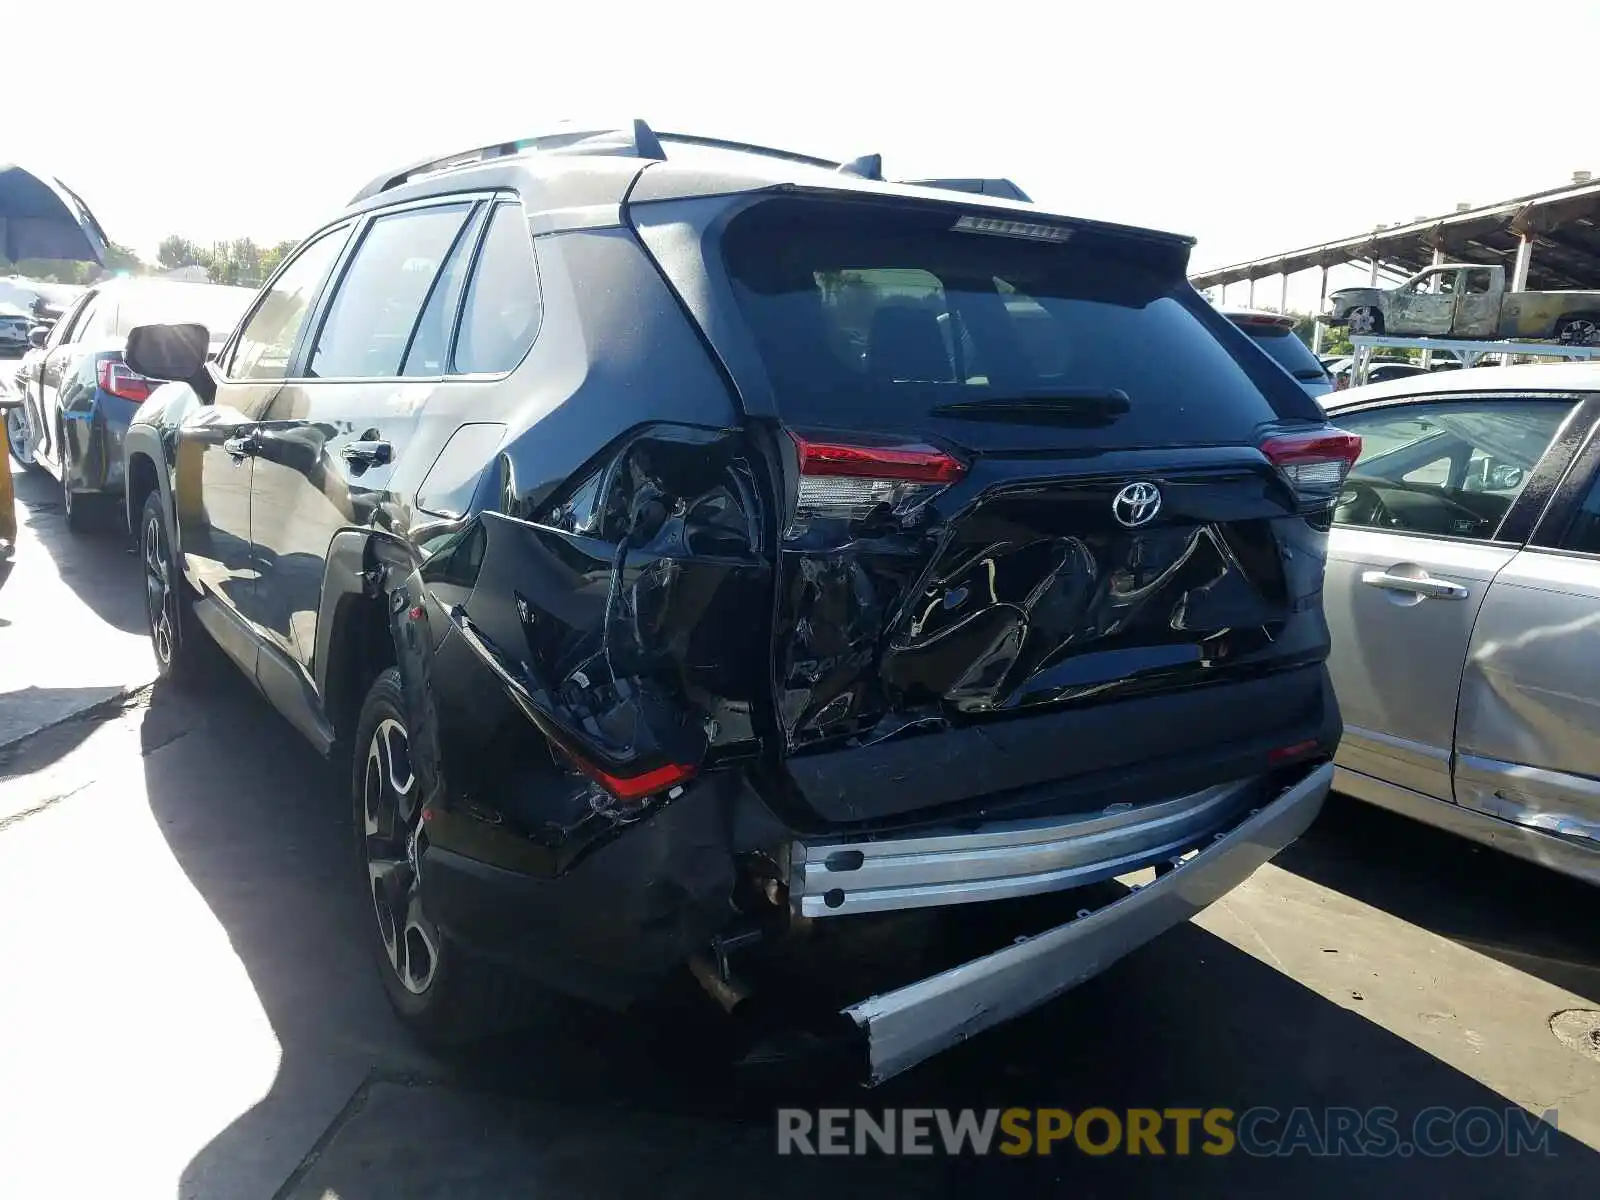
(120, 700)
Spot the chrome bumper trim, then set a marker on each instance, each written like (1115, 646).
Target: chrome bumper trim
(1001, 860)
(911, 1023)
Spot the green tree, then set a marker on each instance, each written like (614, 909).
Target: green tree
(121, 259)
(49, 270)
(273, 255)
(246, 257)
(177, 251)
(1335, 339)
(219, 264)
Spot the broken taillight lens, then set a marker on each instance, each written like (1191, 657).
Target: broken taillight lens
(631, 789)
(848, 480)
(1314, 462)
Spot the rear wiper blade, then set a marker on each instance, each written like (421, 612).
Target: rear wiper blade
(1072, 405)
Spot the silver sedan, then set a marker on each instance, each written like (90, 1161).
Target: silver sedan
(1463, 598)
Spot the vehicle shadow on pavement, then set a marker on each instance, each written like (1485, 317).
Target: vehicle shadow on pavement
(588, 1104)
(98, 564)
(1527, 917)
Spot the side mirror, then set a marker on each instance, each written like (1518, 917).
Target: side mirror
(37, 335)
(168, 351)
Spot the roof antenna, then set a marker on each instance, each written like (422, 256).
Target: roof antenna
(646, 142)
(868, 166)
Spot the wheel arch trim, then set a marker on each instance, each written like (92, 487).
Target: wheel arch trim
(356, 567)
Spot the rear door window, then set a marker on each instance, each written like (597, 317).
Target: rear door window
(1583, 534)
(429, 352)
(377, 302)
(879, 318)
(503, 308)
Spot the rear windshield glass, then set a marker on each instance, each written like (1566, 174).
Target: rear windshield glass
(1287, 350)
(875, 317)
(217, 308)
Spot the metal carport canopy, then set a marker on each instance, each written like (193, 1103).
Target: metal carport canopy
(1563, 223)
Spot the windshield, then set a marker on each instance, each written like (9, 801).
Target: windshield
(870, 317)
(217, 308)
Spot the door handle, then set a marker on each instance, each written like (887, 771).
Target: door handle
(367, 454)
(1435, 589)
(242, 446)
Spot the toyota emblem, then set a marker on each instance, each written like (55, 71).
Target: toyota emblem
(1136, 504)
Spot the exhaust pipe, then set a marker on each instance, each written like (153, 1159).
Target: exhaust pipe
(729, 992)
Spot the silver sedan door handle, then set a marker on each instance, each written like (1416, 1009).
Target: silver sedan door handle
(242, 446)
(1436, 589)
(368, 453)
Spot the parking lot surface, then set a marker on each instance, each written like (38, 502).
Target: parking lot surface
(190, 1008)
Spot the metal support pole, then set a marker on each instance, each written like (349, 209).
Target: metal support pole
(1372, 278)
(1322, 304)
(1250, 296)
(1283, 294)
(1433, 286)
(1519, 272)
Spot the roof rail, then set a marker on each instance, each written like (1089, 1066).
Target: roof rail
(711, 143)
(868, 166)
(636, 139)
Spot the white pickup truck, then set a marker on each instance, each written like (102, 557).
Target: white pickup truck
(1463, 300)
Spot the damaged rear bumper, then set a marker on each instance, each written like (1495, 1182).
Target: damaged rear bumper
(1006, 859)
(912, 1023)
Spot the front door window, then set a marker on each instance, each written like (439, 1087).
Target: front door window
(269, 335)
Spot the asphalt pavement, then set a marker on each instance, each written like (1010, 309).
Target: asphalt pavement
(189, 1007)
(71, 614)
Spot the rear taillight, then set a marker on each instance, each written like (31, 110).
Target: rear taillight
(1288, 754)
(850, 480)
(1314, 462)
(119, 379)
(632, 789)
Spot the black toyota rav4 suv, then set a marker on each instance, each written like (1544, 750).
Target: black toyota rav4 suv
(699, 549)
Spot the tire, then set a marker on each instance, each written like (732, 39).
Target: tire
(1580, 330)
(1365, 320)
(181, 648)
(445, 996)
(18, 440)
(82, 511)
(73, 507)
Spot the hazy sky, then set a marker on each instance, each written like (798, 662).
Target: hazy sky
(1254, 126)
